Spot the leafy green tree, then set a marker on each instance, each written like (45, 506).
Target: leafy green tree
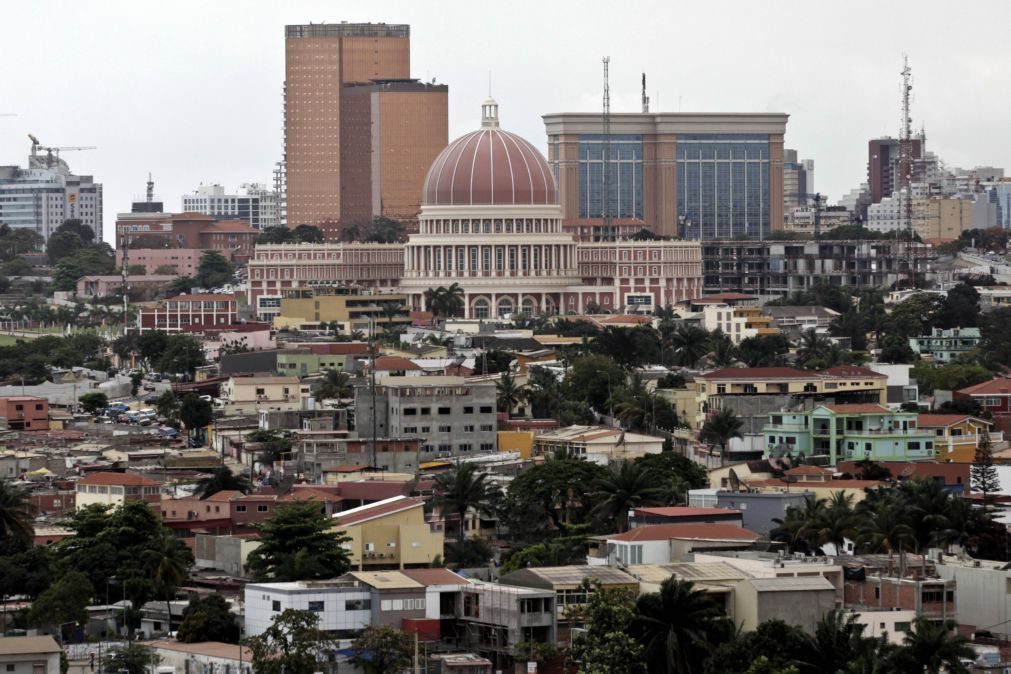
(135, 381)
(275, 235)
(896, 349)
(167, 561)
(66, 601)
(671, 380)
(307, 234)
(493, 361)
(133, 658)
(208, 619)
(297, 543)
(982, 473)
(606, 647)
(761, 665)
(382, 649)
(544, 499)
(509, 394)
(949, 377)
(626, 486)
(62, 245)
(914, 316)
(150, 344)
(167, 405)
(593, 379)
(720, 428)
(763, 351)
(775, 641)
(182, 354)
(959, 309)
(76, 226)
(629, 347)
(24, 570)
(994, 327)
(221, 479)
(669, 465)
(385, 230)
(16, 517)
(214, 269)
(563, 550)
(679, 627)
(853, 325)
(183, 285)
(463, 488)
(195, 412)
(273, 445)
(92, 403)
(292, 643)
(468, 554)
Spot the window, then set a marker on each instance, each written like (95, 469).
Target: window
(358, 605)
(446, 448)
(275, 606)
(464, 447)
(261, 508)
(486, 409)
(469, 409)
(445, 429)
(426, 410)
(487, 427)
(445, 410)
(487, 446)
(316, 606)
(902, 627)
(410, 429)
(410, 411)
(468, 429)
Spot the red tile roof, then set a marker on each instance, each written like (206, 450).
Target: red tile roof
(239, 226)
(682, 511)
(339, 348)
(379, 509)
(627, 318)
(372, 490)
(395, 363)
(999, 386)
(745, 373)
(223, 496)
(308, 494)
(218, 297)
(700, 532)
(857, 408)
(119, 479)
(435, 577)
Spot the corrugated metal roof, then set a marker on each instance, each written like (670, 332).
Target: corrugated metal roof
(791, 584)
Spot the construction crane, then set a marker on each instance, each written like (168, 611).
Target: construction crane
(53, 153)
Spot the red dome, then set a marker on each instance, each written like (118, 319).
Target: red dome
(489, 167)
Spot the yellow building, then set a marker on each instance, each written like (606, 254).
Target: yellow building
(351, 308)
(957, 435)
(943, 218)
(517, 441)
(389, 534)
(689, 403)
(846, 382)
(249, 395)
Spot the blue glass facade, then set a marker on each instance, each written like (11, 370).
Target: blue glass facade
(723, 186)
(625, 176)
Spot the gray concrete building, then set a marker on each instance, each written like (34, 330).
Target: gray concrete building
(759, 509)
(453, 417)
(984, 601)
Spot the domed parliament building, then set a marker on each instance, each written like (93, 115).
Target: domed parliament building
(490, 221)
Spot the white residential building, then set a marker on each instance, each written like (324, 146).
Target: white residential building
(257, 205)
(342, 605)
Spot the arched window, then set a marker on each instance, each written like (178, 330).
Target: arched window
(481, 308)
(505, 306)
(529, 306)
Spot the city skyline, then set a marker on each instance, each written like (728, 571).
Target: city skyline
(190, 103)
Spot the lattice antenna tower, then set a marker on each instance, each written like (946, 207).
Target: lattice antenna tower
(906, 166)
(605, 202)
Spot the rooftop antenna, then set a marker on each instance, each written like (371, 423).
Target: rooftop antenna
(645, 98)
(605, 201)
(150, 188)
(906, 167)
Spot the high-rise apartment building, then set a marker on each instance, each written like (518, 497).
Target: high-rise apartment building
(694, 175)
(391, 132)
(798, 180)
(320, 60)
(883, 166)
(45, 194)
(257, 205)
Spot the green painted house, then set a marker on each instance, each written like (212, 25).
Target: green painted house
(301, 363)
(834, 433)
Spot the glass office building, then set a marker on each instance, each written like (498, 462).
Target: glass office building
(723, 186)
(625, 176)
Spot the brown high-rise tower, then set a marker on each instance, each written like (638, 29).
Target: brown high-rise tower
(320, 59)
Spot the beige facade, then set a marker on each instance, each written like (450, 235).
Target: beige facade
(351, 309)
(390, 534)
(249, 395)
(785, 380)
(320, 59)
(942, 218)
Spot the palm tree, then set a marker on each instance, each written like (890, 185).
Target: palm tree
(16, 515)
(689, 344)
(454, 300)
(167, 562)
(464, 488)
(509, 394)
(813, 348)
(720, 428)
(798, 527)
(435, 300)
(885, 529)
(838, 643)
(635, 404)
(627, 486)
(221, 479)
(837, 523)
(678, 627)
(335, 384)
(933, 648)
(391, 312)
(722, 351)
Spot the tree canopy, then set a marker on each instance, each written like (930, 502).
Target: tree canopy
(297, 543)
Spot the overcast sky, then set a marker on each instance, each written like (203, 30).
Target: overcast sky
(191, 91)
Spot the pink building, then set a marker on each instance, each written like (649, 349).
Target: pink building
(184, 260)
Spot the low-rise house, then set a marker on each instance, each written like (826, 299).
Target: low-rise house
(204, 656)
(390, 534)
(717, 579)
(800, 601)
(832, 432)
(251, 395)
(759, 510)
(25, 413)
(880, 582)
(683, 515)
(191, 513)
(115, 489)
(800, 319)
(191, 313)
(250, 509)
(344, 605)
(958, 435)
(667, 543)
(983, 599)
(30, 655)
(944, 346)
(566, 582)
(599, 444)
